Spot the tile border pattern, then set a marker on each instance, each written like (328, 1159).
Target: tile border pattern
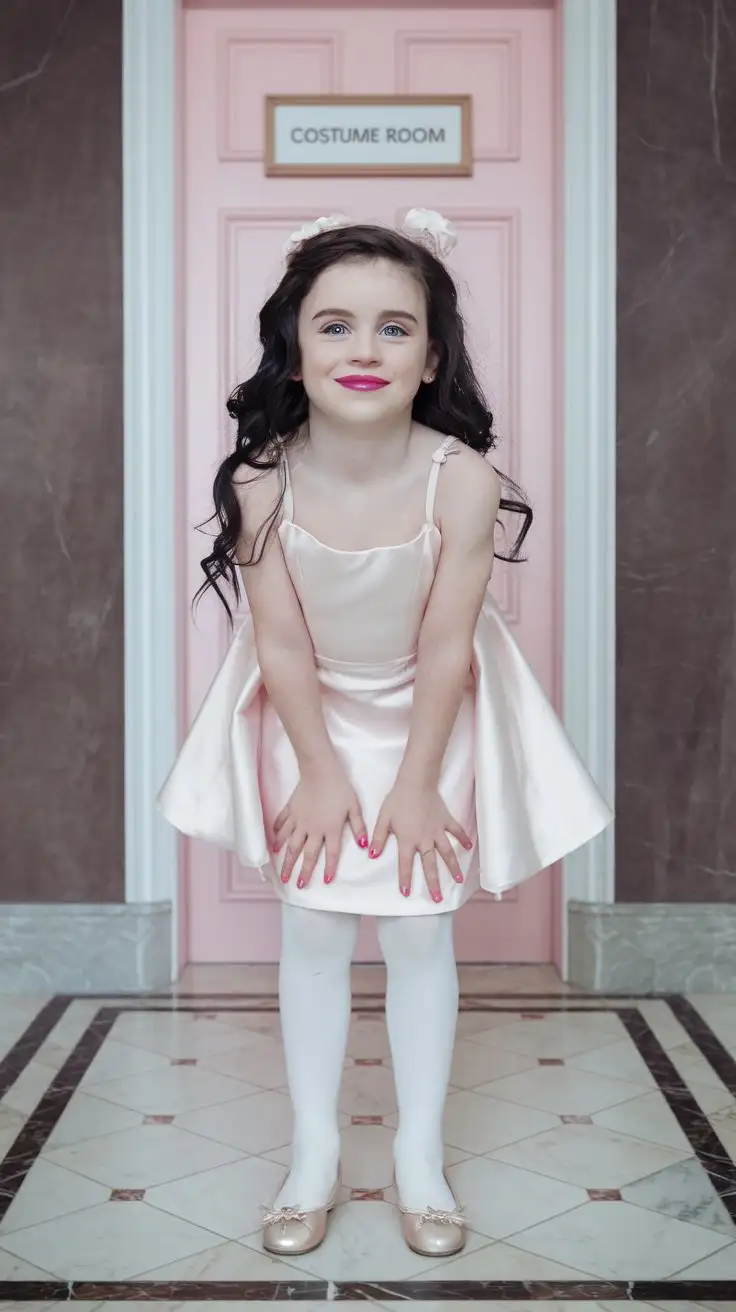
(701, 1135)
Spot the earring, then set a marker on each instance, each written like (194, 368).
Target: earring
(429, 378)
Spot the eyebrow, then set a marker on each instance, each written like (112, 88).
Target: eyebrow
(346, 314)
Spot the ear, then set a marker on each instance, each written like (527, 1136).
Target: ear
(432, 360)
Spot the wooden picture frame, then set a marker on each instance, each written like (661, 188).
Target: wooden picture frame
(462, 166)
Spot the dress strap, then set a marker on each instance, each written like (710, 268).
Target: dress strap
(287, 505)
(438, 458)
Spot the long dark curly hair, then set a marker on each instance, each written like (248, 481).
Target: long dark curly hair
(270, 408)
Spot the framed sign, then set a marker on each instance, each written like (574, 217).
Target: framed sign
(354, 135)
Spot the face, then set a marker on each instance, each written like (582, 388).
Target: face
(363, 341)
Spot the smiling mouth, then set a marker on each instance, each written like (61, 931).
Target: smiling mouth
(362, 382)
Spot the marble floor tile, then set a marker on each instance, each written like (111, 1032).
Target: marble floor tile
(475, 1025)
(367, 1158)
(620, 1060)
(711, 1097)
(255, 1124)
(589, 1156)
(176, 1035)
(648, 1118)
(367, 1091)
(368, 1037)
(501, 1261)
(29, 1088)
(260, 1063)
(476, 1063)
(14, 1268)
(665, 1026)
(724, 1124)
(143, 1156)
(50, 1191)
(172, 1091)
(560, 1143)
(12, 1025)
(116, 1060)
(720, 1266)
(11, 1123)
(563, 1090)
(111, 1241)
(228, 1200)
(693, 1066)
(87, 1117)
(684, 1191)
(258, 1024)
(617, 1241)
(499, 1199)
(227, 1260)
(478, 1123)
(559, 1036)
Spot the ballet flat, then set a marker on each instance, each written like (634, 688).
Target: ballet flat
(432, 1232)
(291, 1232)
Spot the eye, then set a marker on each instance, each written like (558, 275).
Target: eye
(394, 330)
(329, 329)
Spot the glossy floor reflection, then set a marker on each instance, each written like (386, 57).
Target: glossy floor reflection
(590, 1141)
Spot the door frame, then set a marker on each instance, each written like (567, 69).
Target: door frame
(153, 354)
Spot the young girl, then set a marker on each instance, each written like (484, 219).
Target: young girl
(374, 740)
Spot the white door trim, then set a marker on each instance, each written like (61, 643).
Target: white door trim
(589, 568)
(150, 59)
(150, 156)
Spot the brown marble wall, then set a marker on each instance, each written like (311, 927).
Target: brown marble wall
(676, 603)
(61, 452)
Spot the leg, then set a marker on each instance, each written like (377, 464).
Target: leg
(421, 1012)
(314, 996)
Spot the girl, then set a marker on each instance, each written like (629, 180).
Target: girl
(374, 740)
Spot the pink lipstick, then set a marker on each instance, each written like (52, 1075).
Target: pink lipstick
(362, 382)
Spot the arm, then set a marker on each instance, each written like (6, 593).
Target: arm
(468, 505)
(323, 801)
(414, 812)
(284, 648)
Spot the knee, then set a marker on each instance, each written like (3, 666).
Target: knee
(318, 937)
(415, 940)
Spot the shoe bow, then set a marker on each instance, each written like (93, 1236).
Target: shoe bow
(282, 1215)
(436, 1215)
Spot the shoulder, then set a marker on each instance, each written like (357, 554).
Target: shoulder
(469, 491)
(258, 492)
(257, 488)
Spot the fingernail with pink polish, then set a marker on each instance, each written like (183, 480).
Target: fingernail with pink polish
(373, 853)
(436, 897)
(458, 879)
(363, 840)
(406, 891)
(468, 846)
(300, 883)
(284, 879)
(329, 878)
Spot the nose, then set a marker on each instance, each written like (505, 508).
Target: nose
(365, 348)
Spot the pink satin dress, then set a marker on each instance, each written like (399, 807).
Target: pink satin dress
(510, 775)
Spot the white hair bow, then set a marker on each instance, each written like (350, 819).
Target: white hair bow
(311, 229)
(427, 227)
(432, 230)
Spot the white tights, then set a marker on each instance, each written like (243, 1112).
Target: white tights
(421, 1014)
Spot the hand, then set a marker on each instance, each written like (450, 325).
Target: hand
(420, 822)
(314, 817)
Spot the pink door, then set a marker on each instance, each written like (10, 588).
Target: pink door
(236, 222)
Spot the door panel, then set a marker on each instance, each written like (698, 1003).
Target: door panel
(236, 222)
